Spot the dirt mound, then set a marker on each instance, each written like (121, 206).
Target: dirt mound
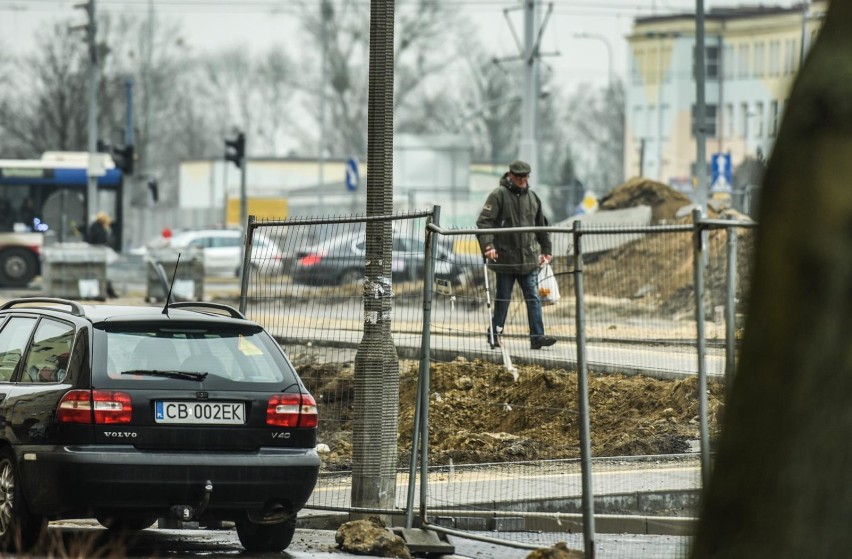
(638, 191)
(479, 413)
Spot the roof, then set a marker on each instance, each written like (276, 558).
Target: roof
(201, 311)
(725, 13)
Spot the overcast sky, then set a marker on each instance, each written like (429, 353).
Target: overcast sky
(257, 24)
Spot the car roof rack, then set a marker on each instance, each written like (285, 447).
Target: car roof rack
(204, 304)
(75, 308)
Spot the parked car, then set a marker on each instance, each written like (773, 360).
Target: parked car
(221, 250)
(130, 414)
(340, 260)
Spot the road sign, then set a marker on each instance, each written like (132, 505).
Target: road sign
(352, 176)
(723, 176)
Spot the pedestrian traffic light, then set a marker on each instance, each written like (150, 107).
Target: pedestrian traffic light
(235, 150)
(124, 158)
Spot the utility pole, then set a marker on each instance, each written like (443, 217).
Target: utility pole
(530, 56)
(95, 167)
(529, 102)
(326, 13)
(700, 110)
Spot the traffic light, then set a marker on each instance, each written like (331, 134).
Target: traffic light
(124, 157)
(235, 150)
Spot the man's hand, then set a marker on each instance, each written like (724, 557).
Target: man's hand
(491, 253)
(544, 259)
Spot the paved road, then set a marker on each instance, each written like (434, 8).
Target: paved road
(85, 539)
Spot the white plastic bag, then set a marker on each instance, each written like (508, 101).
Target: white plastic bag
(548, 288)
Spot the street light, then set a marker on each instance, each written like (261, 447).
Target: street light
(608, 50)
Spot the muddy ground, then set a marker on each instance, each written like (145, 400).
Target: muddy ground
(479, 413)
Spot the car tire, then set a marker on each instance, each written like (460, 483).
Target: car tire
(18, 267)
(266, 537)
(19, 529)
(351, 276)
(126, 524)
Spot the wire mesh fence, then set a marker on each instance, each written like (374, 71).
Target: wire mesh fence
(504, 424)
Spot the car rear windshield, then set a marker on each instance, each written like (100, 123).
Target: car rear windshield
(223, 357)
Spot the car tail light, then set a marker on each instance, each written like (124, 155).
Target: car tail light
(310, 260)
(94, 406)
(291, 410)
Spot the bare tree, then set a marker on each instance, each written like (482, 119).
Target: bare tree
(779, 485)
(250, 94)
(47, 109)
(596, 124)
(421, 55)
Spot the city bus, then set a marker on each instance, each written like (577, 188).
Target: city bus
(48, 195)
(44, 201)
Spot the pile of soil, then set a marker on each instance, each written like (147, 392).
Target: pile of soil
(479, 413)
(663, 200)
(658, 269)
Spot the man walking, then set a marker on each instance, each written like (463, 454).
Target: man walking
(515, 256)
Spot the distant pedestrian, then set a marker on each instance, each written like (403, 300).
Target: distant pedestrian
(100, 230)
(100, 234)
(515, 257)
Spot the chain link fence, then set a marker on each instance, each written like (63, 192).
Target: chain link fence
(608, 431)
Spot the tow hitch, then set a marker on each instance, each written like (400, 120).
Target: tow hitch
(185, 513)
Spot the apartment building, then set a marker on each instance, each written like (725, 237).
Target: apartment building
(752, 54)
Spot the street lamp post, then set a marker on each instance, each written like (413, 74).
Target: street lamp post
(608, 50)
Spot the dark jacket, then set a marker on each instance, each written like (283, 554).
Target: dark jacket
(510, 206)
(99, 234)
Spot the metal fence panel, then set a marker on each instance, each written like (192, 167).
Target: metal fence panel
(504, 424)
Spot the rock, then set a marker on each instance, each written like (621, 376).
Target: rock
(558, 551)
(370, 537)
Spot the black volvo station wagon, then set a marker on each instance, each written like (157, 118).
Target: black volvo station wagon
(130, 414)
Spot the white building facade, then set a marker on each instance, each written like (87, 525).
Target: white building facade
(751, 57)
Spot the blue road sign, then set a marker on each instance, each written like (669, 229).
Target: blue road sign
(352, 176)
(723, 174)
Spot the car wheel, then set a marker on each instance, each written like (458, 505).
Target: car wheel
(351, 276)
(125, 523)
(266, 537)
(18, 267)
(18, 528)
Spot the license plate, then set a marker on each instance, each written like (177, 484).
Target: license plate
(207, 413)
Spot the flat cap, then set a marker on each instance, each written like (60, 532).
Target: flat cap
(519, 167)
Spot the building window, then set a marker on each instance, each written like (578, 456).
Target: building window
(791, 50)
(638, 131)
(743, 62)
(758, 109)
(664, 116)
(636, 70)
(709, 121)
(667, 55)
(759, 60)
(775, 58)
(652, 126)
(728, 62)
(774, 118)
(744, 116)
(729, 120)
(711, 63)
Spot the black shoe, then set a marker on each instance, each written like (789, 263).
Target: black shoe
(542, 341)
(497, 341)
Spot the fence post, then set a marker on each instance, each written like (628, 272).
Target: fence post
(588, 504)
(420, 430)
(730, 310)
(698, 267)
(246, 271)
